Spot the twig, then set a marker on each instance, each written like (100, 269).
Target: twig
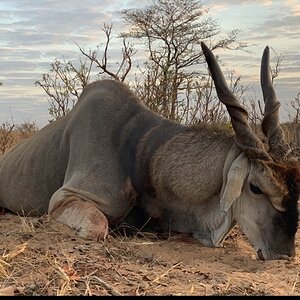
(165, 273)
(140, 244)
(107, 286)
(294, 284)
(227, 285)
(108, 252)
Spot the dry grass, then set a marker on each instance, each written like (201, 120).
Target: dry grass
(11, 134)
(39, 256)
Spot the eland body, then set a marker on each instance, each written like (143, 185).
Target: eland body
(111, 154)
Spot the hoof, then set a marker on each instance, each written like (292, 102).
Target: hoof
(94, 226)
(85, 217)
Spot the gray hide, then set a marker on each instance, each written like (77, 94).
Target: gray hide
(93, 150)
(101, 151)
(111, 159)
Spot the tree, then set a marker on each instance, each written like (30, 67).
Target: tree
(292, 129)
(124, 66)
(6, 136)
(172, 81)
(295, 103)
(172, 32)
(11, 133)
(66, 79)
(63, 85)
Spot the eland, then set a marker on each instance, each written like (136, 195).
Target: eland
(111, 156)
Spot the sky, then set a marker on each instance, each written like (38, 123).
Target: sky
(33, 33)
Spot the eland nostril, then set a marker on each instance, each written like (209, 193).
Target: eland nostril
(260, 255)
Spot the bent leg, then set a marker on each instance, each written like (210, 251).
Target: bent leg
(83, 216)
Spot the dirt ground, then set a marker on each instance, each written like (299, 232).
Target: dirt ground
(39, 256)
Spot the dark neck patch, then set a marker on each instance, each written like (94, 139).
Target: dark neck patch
(289, 218)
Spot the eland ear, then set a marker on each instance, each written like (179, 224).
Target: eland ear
(235, 178)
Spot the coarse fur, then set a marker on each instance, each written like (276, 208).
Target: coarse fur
(112, 160)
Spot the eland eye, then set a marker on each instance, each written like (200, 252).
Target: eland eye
(255, 189)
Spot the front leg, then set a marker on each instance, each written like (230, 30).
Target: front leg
(83, 216)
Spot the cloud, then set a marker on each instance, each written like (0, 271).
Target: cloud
(34, 33)
(221, 5)
(239, 2)
(294, 6)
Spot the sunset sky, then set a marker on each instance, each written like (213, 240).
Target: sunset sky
(33, 33)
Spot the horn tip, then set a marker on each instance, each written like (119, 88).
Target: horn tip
(267, 50)
(207, 53)
(204, 47)
(265, 58)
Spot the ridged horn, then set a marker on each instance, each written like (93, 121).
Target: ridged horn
(279, 149)
(244, 136)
